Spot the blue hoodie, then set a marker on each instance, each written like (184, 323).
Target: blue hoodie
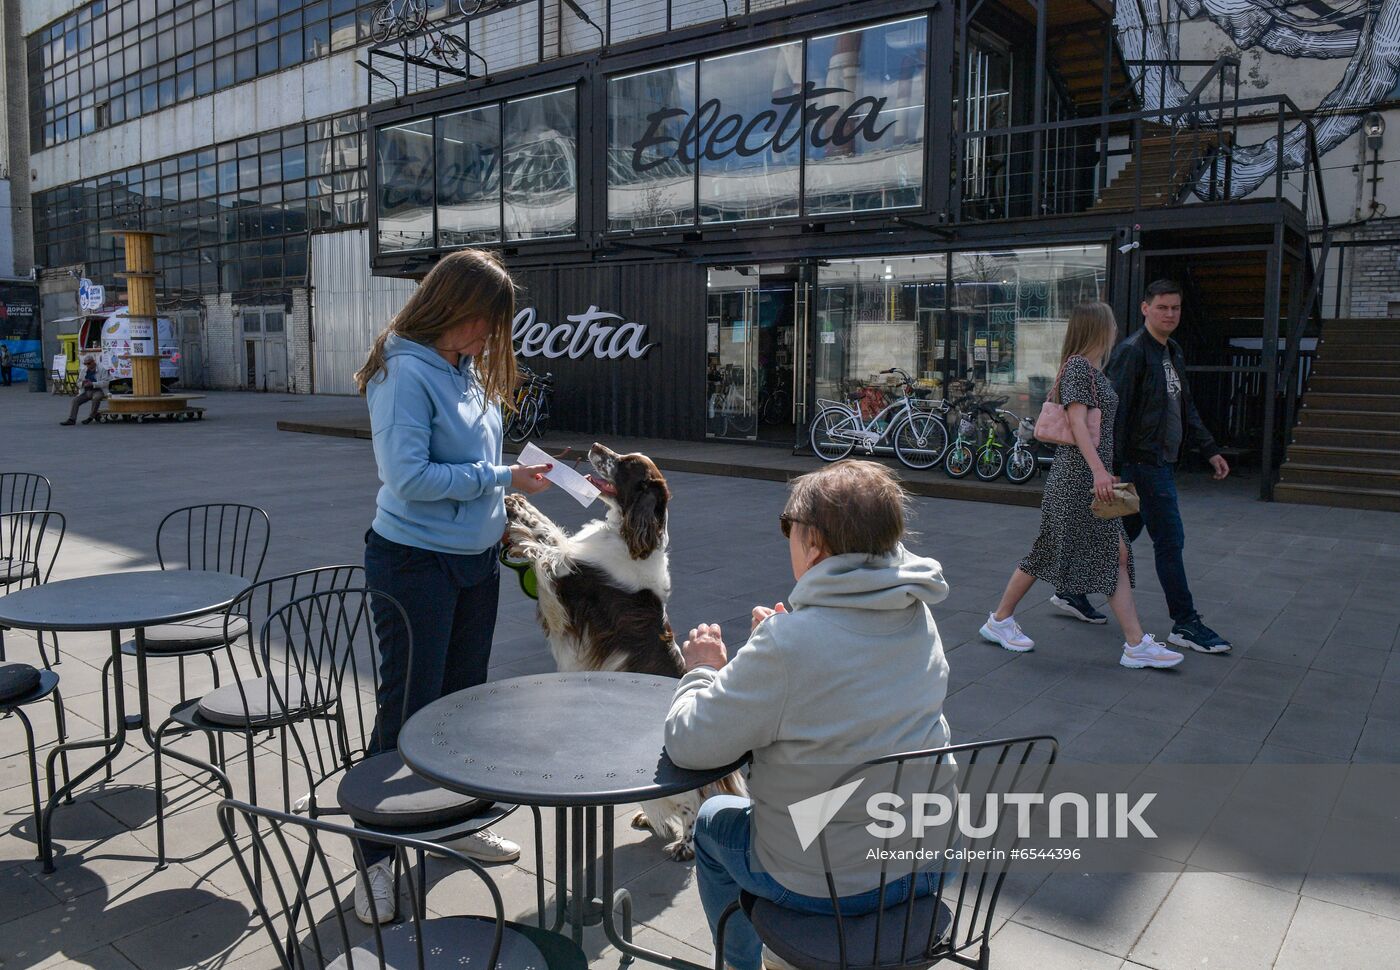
(438, 448)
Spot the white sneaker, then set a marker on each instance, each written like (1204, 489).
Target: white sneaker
(484, 846)
(1148, 653)
(771, 961)
(1006, 633)
(378, 884)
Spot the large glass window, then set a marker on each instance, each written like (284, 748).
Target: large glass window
(738, 136)
(750, 133)
(541, 166)
(87, 59)
(469, 176)
(651, 149)
(1000, 323)
(866, 144)
(404, 161)
(222, 234)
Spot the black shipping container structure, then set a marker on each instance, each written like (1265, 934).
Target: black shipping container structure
(782, 202)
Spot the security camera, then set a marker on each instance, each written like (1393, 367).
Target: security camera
(1129, 247)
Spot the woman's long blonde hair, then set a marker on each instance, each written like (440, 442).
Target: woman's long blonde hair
(1091, 333)
(469, 284)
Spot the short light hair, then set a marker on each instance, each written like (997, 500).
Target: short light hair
(854, 506)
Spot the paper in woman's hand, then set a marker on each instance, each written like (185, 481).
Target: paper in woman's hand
(583, 491)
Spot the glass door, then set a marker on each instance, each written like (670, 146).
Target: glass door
(753, 352)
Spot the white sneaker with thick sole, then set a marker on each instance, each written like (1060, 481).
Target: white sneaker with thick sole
(484, 846)
(1006, 633)
(378, 884)
(1148, 653)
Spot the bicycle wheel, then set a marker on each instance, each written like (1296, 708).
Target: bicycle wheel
(989, 462)
(524, 423)
(958, 461)
(825, 444)
(415, 16)
(777, 409)
(383, 27)
(1020, 466)
(920, 440)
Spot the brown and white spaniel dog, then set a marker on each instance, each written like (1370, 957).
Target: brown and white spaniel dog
(603, 593)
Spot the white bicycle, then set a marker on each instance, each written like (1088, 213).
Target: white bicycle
(916, 429)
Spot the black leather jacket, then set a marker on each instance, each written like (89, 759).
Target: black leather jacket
(1139, 379)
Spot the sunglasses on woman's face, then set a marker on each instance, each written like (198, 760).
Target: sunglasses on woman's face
(786, 522)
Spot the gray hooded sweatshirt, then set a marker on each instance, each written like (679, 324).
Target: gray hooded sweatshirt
(854, 672)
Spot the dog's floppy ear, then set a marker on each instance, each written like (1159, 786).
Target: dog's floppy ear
(645, 519)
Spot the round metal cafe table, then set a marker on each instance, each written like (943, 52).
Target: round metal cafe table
(112, 603)
(580, 743)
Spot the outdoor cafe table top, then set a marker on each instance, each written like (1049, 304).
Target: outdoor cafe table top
(120, 601)
(562, 739)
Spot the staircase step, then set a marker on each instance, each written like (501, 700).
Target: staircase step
(1349, 339)
(1388, 403)
(1334, 384)
(1334, 456)
(1314, 417)
(1297, 473)
(1363, 439)
(1353, 323)
(1379, 367)
(1345, 498)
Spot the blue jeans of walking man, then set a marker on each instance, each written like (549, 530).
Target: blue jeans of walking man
(1156, 488)
(723, 870)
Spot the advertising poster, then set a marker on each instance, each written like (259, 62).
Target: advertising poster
(19, 327)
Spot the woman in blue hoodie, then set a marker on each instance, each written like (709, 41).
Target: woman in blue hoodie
(435, 379)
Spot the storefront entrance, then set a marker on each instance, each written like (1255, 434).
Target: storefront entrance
(755, 345)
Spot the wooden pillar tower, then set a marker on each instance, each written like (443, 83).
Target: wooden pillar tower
(146, 398)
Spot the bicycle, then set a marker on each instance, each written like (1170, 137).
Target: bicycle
(918, 434)
(775, 403)
(971, 450)
(532, 399)
(395, 18)
(1021, 462)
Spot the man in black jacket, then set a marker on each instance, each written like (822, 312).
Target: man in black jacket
(1156, 419)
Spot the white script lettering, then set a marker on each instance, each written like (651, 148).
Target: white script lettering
(584, 331)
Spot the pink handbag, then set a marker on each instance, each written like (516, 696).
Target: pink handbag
(1052, 427)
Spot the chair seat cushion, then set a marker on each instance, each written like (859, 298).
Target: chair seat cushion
(809, 941)
(463, 941)
(384, 792)
(15, 570)
(254, 704)
(202, 631)
(16, 680)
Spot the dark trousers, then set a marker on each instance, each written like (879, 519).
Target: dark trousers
(5, 374)
(1156, 487)
(93, 394)
(450, 601)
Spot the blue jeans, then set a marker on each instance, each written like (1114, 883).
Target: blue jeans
(722, 870)
(450, 601)
(1156, 487)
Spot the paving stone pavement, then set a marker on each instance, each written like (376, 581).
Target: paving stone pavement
(1306, 594)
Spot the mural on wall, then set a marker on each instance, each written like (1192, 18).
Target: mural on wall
(1364, 32)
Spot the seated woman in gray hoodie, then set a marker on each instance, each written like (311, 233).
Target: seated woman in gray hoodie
(854, 671)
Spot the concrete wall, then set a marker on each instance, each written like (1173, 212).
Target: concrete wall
(351, 306)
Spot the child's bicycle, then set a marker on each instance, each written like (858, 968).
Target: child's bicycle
(978, 444)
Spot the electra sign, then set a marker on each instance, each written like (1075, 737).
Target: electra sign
(585, 332)
(710, 135)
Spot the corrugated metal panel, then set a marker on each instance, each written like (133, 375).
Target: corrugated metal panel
(351, 306)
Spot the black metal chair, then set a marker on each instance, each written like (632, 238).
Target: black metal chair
(304, 913)
(29, 544)
(20, 686)
(953, 923)
(242, 707)
(24, 492)
(219, 537)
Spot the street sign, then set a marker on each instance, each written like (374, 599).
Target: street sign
(91, 296)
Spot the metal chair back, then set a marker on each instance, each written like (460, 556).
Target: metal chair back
(962, 934)
(220, 537)
(295, 869)
(329, 668)
(29, 544)
(24, 492)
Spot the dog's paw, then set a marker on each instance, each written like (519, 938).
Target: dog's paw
(680, 851)
(517, 507)
(640, 821)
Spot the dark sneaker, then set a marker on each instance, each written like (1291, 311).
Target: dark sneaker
(70, 421)
(1198, 637)
(1078, 607)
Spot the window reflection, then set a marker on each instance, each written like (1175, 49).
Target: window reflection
(404, 161)
(469, 176)
(651, 174)
(541, 177)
